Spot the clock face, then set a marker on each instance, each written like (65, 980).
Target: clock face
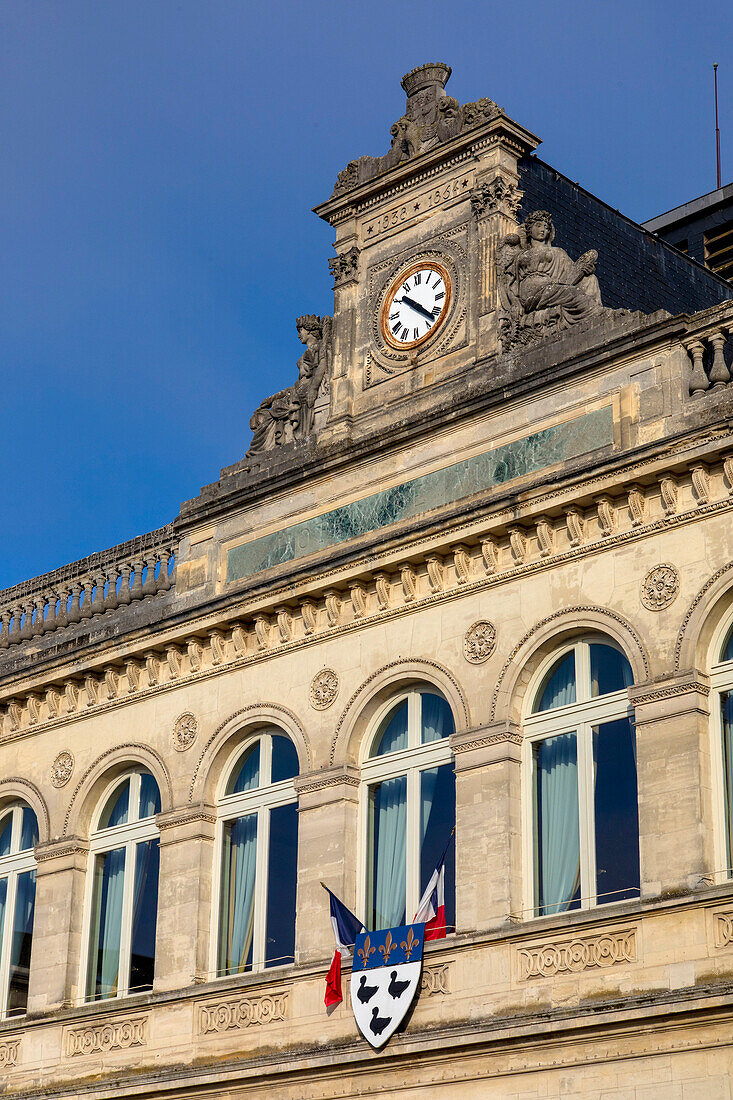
(416, 305)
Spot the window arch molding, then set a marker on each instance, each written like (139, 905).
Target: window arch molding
(347, 745)
(19, 833)
(712, 604)
(720, 647)
(107, 765)
(17, 789)
(253, 909)
(407, 799)
(229, 737)
(579, 783)
(510, 691)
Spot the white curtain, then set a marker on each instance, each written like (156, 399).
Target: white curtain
(238, 893)
(559, 688)
(726, 703)
(107, 928)
(437, 718)
(557, 779)
(390, 871)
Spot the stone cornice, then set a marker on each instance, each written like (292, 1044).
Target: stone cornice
(185, 815)
(496, 733)
(691, 681)
(326, 779)
(61, 848)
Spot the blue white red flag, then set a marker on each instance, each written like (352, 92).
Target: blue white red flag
(431, 910)
(346, 927)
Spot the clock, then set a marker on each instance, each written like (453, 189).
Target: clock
(416, 305)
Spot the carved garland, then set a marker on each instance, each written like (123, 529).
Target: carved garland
(241, 1012)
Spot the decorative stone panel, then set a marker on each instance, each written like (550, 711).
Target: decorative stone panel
(436, 978)
(110, 1035)
(572, 956)
(234, 1013)
(660, 587)
(184, 731)
(324, 689)
(9, 1053)
(479, 642)
(62, 768)
(723, 928)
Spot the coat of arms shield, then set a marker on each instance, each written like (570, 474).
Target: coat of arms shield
(385, 976)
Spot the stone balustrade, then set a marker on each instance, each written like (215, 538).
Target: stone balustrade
(711, 356)
(104, 582)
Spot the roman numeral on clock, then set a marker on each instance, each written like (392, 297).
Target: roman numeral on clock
(414, 334)
(404, 334)
(417, 278)
(439, 296)
(436, 311)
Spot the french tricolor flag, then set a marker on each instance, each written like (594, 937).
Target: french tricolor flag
(431, 910)
(346, 927)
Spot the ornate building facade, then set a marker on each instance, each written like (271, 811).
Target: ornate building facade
(475, 572)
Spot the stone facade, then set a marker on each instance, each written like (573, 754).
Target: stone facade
(444, 517)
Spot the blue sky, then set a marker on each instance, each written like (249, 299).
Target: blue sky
(158, 163)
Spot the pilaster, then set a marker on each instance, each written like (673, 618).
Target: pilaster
(54, 979)
(327, 852)
(674, 778)
(184, 896)
(488, 825)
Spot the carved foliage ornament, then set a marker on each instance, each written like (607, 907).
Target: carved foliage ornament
(479, 642)
(660, 587)
(62, 768)
(324, 689)
(184, 731)
(495, 196)
(344, 268)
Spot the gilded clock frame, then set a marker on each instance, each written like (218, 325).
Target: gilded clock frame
(417, 265)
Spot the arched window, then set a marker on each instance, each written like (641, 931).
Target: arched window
(18, 835)
(410, 795)
(581, 759)
(122, 893)
(722, 682)
(258, 829)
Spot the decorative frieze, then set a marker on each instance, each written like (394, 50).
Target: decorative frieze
(9, 1053)
(109, 1035)
(236, 1013)
(435, 978)
(723, 928)
(572, 956)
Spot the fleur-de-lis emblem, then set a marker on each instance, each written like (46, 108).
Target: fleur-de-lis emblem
(408, 945)
(387, 948)
(365, 951)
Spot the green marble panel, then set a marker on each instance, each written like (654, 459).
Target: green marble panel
(549, 447)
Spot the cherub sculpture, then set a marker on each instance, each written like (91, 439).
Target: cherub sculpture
(541, 290)
(288, 416)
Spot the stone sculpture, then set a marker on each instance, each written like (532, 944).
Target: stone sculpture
(431, 117)
(289, 415)
(541, 290)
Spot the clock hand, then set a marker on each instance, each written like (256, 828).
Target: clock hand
(418, 308)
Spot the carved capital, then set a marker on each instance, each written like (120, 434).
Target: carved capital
(496, 196)
(345, 267)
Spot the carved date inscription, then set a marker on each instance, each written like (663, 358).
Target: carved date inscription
(409, 211)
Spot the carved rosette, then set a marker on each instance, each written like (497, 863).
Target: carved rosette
(660, 587)
(62, 769)
(184, 731)
(324, 689)
(479, 642)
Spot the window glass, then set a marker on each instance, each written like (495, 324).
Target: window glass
(247, 776)
(282, 874)
(609, 670)
(236, 921)
(437, 822)
(20, 949)
(116, 810)
(149, 796)
(106, 927)
(3, 908)
(28, 829)
(727, 652)
(6, 833)
(284, 758)
(616, 813)
(437, 718)
(558, 687)
(387, 857)
(726, 706)
(392, 733)
(557, 863)
(144, 914)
